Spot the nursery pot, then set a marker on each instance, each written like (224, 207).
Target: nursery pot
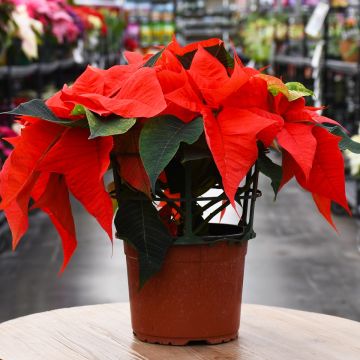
(196, 297)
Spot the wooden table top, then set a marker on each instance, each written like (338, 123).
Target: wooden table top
(103, 332)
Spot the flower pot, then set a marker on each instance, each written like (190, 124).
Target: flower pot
(349, 50)
(195, 297)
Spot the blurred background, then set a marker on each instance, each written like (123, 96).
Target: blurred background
(297, 260)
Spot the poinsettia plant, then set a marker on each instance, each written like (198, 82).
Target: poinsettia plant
(194, 106)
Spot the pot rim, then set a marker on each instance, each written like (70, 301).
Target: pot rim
(236, 237)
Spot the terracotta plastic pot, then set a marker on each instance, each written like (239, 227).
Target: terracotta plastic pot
(195, 297)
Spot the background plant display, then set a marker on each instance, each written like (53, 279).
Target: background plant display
(185, 106)
(261, 34)
(52, 29)
(19, 28)
(258, 35)
(350, 37)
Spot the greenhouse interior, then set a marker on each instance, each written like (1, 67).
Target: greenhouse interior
(132, 129)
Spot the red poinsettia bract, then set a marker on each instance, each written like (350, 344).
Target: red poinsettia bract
(233, 120)
(47, 162)
(124, 90)
(311, 154)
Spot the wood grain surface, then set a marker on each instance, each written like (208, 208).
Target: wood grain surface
(104, 332)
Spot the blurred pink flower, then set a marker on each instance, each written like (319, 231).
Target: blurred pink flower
(65, 30)
(53, 13)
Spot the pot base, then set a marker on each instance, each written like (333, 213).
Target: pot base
(185, 341)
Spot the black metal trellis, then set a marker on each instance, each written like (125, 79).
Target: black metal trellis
(245, 197)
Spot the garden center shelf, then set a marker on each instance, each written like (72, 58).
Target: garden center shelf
(202, 33)
(16, 78)
(21, 71)
(18, 71)
(195, 21)
(343, 67)
(203, 13)
(292, 59)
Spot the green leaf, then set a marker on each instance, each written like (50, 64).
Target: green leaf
(152, 61)
(78, 110)
(107, 127)
(160, 140)
(38, 109)
(346, 143)
(271, 170)
(217, 51)
(297, 90)
(221, 54)
(138, 222)
(274, 85)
